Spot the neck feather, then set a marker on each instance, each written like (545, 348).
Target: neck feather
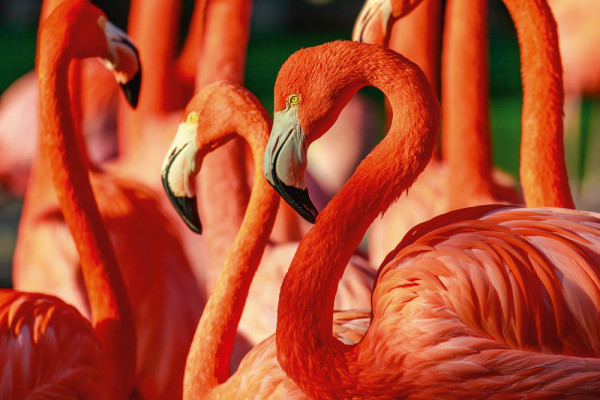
(304, 324)
(543, 170)
(111, 314)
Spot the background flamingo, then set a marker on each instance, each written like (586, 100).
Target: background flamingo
(156, 271)
(49, 348)
(465, 128)
(489, 300)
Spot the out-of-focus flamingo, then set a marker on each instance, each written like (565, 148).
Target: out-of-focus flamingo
(157, 274)
(490, 301)
(465, 127)
(218, 113)
(49, 349)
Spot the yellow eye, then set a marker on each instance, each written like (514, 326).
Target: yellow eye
(294, 99)
(193, 117)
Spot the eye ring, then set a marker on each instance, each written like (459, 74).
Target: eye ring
(294, 99)
(193, 117)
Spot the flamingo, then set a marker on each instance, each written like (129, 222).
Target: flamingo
(49, 348)
(157, 274)
(216, 114)
(19, 119)
(464, 104)
(491, 301)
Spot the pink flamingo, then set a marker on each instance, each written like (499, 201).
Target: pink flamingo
(216, 114)
(490, 301)
(49, 349)
(157, 274)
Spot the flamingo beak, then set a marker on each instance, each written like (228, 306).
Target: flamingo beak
(178, 172)
(374, 22)
(285, 162)
(124, 60)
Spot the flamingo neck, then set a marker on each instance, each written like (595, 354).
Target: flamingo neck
(543, 171)
(153, 26)
(423, 50)
(304, 323)
(111, 314)
(210, 353)
(465, 93)
(226, 36)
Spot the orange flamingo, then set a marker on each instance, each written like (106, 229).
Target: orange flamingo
(464, 105)
(157, 274)
(50, 350)
(489, 301)
(216, 114)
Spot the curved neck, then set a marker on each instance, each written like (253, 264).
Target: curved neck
(304, 323)
(224, 170)
(465, 93)
(543, 172)
(210, 353)
(111, 314)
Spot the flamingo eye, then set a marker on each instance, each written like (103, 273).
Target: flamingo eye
(294, 99)
(193, 117)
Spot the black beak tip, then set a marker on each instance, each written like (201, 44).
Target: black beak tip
(186, 207)
(298, 199)
(132, 89)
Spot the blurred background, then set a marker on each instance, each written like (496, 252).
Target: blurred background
(279, 27)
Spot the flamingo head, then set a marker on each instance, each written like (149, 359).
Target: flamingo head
(90, 34)
(311, 89)
(375, 20)
(180, 167)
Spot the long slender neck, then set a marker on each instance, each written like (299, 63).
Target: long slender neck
(465, 92)
(423, 49)
(224, 170)
(187, 62)
(304, 323)
(111, 314)
(153, 26)
(210, 353)
(543, 172)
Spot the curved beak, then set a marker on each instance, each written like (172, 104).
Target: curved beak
(178, 172)
(124, 61)
(285, 161)
(373, 22)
